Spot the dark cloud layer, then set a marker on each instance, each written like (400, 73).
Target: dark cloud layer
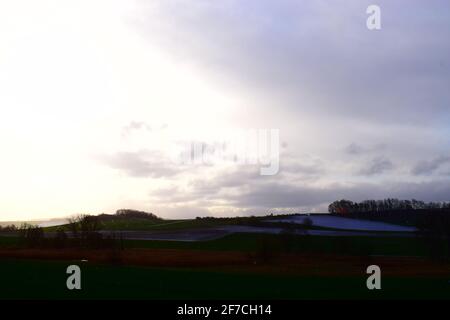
(378, 165)
(276, 195)
(320, 52)
(245, 190)
(430, 166)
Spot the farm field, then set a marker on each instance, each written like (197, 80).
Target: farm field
(209, 229)
(46, 280)
(334, 222)
(227, 259)
(254, 241)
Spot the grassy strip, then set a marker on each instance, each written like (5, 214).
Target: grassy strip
(318, 244)
(135, 224)
(247, 242)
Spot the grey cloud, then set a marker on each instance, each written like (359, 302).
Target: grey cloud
(135, 125)
(358, 149)
(288, 49)
(304, 169)
(281, 195)
(317, 58)
(431, 166)
(378, 165)
(354, 148)
(277, 195)
(142, 164)
(250, 191)
(242, 177)
(428, 191)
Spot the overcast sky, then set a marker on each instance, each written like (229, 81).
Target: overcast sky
(96, 97)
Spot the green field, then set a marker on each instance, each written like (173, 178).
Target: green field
(141, 224)
(47, 280)
(252, 242)
(137, 224)
(317, 244)
(246, 242)
(36, 279)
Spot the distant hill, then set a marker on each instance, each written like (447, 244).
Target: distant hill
(41, 223)
(129, 213)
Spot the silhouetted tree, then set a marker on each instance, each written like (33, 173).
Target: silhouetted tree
(85, 230)
(8, 228)
(31, 236)
(61, 239)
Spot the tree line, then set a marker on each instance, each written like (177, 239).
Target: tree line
(390, 204)
(8, 228)
(82, 231)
